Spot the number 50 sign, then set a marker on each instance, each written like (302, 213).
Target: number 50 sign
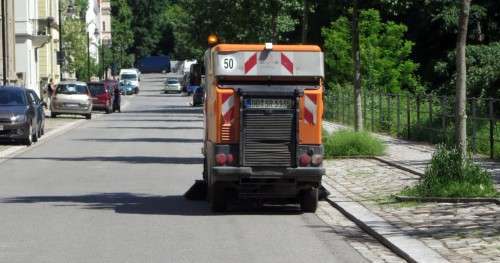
(228, 63)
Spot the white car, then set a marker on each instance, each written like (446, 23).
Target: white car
(172, 85)
(132, 76)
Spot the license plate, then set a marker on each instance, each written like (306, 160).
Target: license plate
(71, 105)
(1, 127)
(258, 103)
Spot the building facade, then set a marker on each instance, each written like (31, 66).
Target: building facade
(106, 22)
(31, 35)
(47, 54)
(10, 41)
(92, 19)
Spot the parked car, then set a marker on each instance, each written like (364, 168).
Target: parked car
(132, 76)
(102, 96)
(127, 88)
(22, 118)
(172, 85)
(72, 97)
(154, 64)
(199, 96)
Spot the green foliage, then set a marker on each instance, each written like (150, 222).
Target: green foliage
(384, 53)
(483, 70)
(451, 175)
(123, 34)
(349, 143)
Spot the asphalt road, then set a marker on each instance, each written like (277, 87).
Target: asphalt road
(111, 191)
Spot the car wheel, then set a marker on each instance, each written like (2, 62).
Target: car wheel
(88, 116)
(108, 110)
(29, 138)
(35, 136)
(53, 115)
(309, 200)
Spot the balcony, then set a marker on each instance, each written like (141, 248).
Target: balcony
(41, 31)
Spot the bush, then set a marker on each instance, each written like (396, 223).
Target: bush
(349, 143)
(451, 175)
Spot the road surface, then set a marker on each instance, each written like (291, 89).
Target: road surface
(111, 190)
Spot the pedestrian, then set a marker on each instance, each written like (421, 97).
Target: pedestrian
(117, 98)
(51, 88)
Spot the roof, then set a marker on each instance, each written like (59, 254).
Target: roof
(12, 87)
(261, 47)
(65, 82)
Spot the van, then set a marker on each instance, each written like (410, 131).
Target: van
(131, 76)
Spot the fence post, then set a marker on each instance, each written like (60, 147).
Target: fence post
(372, 112)
(443, 116)
(380, 114)
(408, 116)
(398, 118)
(418, 111)
(343, 109)
(431, 99)
(389, 113)
(473, 124)
(492, 128)
(364, 109)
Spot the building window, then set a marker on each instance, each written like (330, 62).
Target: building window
(103, 26)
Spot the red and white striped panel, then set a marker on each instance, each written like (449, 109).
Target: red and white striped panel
(310, 108)
(227, 107)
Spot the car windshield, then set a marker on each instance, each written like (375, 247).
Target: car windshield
(172, 81)
(129, 77)
(12, 97)
(71, 89)
(96, 89)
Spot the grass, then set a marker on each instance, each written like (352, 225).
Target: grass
(451, 175)
(349, 143)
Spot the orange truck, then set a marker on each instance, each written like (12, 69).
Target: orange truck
(263, 117)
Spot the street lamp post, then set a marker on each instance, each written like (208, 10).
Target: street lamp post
(88, 57)
(4, 43)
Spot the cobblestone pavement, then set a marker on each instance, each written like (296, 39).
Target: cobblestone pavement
(463, 232)
(366, 245)
(416, 155)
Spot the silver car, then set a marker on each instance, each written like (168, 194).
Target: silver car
(72, 97)
(172, 85)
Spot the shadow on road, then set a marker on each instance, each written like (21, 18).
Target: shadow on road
(176, 110)
(121, 159)
(152, 120)
(128, 203)
(154, 140)
(150, 128)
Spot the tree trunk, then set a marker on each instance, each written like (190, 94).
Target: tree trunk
(356, 57)
(460, 98)
(305, 21)
(274, 21)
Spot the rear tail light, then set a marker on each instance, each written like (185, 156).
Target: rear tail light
(305, 160)
(221, 159)
(229, 159)
(317, 159)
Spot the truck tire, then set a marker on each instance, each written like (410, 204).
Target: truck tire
(217, 198)
(309, 200)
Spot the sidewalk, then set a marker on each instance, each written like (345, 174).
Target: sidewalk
(461, 232)
(415, 156)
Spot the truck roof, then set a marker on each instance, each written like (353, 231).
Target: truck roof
(261, 47)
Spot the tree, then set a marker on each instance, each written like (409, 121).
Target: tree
(356, 57)
(384, 52)
(461, 117)
(123, 36)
